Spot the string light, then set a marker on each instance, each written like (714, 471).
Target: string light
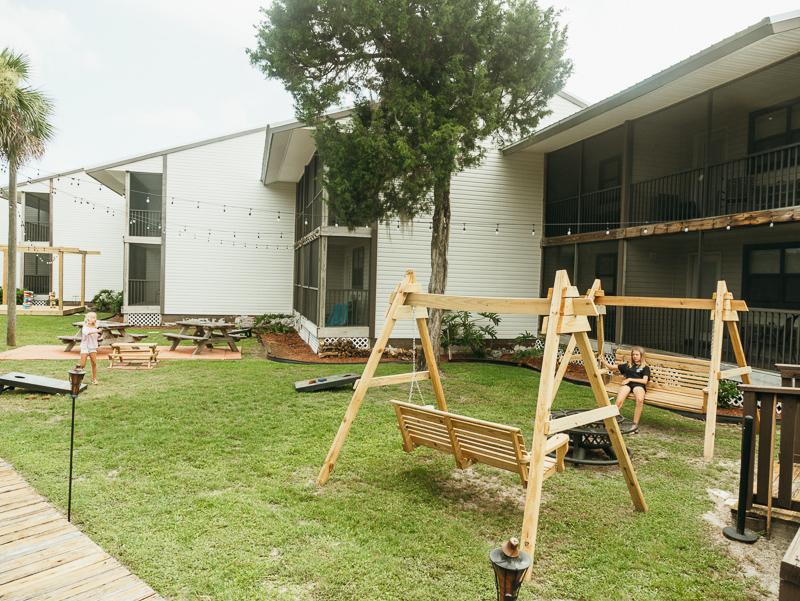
(645, 227)
(569, 230)
(497, 230)
(686, 228)
(771, 222)
(279, 215)
(728, 227)
(465, 228)
(533, 229)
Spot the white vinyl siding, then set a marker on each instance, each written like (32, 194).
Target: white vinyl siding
(505, 190)
(223, 276)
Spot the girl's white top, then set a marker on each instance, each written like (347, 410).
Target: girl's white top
(91, 339)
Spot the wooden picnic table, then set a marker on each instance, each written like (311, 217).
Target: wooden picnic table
(113, 331)
(204, 333)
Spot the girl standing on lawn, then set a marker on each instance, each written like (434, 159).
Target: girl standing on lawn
(636, 374)
(89, 343)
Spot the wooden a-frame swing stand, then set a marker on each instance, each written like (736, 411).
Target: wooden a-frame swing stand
(568, 311)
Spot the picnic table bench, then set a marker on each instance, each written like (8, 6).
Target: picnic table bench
(134, 351)
(112, 332)
(204, 334)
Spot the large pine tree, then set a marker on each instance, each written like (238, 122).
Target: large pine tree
(429, 82)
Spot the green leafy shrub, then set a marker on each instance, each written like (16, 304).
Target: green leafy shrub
(728, 392)
(527, 339)
(274, 323)
(107, 301)
(20, 295)
(460, 329)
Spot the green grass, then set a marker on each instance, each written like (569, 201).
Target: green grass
(200, 477)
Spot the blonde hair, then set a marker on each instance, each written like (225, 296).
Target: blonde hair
(90, 319)
(643, 362)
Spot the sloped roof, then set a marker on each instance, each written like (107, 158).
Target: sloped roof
(769, 41)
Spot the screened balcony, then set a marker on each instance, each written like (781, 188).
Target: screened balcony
(144, 275)
(37, 218)
(144, 213)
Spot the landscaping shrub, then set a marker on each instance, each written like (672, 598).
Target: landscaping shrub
(20, 294)
(527, 339)
(274, 323)
(459, 329)
(728, 392)
(108, 301)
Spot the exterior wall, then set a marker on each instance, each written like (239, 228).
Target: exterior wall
(151, 165)
(561, 108)
(505, 190)
(224, 276)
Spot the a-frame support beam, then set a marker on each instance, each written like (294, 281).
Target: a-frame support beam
(558, 322)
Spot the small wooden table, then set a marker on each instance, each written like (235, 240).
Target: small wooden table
(204, 334)
(112, 332)
(134, 351)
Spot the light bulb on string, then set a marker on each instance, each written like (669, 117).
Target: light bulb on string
(398, 224)
(497, 230)
(771, 222)
(686, 229)
(645, 227)
(147, 200)
(533, 229)
(728, 227)
(465, 228)
(569, 230)
(430, 226)
(608, 230)
(279, 215)
(250, 213)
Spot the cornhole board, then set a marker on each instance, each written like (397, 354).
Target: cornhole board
(326, 382)
(36, 383)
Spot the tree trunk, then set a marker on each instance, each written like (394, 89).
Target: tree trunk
(440, 242)
(11, 285)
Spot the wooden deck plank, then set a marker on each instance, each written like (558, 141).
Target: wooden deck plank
(44, 557)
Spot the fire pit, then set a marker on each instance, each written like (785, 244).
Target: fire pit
(593, 436)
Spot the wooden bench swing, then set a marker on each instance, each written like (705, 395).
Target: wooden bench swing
(470, 440)
(683, 383)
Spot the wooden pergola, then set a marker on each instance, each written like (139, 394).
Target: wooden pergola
(48, 250)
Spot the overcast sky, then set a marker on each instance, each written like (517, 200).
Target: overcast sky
(131, 77)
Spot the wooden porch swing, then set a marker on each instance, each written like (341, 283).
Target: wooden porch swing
(474, 440)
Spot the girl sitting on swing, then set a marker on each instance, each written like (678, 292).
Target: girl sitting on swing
(636, 374)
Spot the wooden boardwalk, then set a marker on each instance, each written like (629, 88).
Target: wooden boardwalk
(44, 557)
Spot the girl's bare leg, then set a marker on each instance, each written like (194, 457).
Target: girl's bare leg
(623, 393)
(93, 357)
(83, 361)
(638, 394)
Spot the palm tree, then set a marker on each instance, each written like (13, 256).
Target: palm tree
(24, 132)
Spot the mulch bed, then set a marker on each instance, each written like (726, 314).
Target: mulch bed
(291, 346)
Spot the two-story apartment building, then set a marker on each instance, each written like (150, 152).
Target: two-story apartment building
(690, 176)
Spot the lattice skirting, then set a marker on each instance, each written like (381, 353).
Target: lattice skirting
(143, 319)
(362, 343)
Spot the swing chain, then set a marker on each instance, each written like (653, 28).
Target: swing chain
(414, 359)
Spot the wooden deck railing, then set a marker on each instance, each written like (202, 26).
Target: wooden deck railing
(761, 475)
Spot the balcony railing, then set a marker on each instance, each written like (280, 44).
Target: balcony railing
(37, 232)
(144, 223)
(38, 284)
(769, 336)
(586, 213)
(673, 198)
(762, 182)
(144, 292)
(346, 307)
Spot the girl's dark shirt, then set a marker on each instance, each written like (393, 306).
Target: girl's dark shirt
(634, 372)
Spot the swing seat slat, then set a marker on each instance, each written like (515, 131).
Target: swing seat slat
(473, 440)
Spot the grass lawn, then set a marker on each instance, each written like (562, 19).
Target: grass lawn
(200, 477)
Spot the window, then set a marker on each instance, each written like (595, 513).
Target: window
(771, 276)
(775, 127)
